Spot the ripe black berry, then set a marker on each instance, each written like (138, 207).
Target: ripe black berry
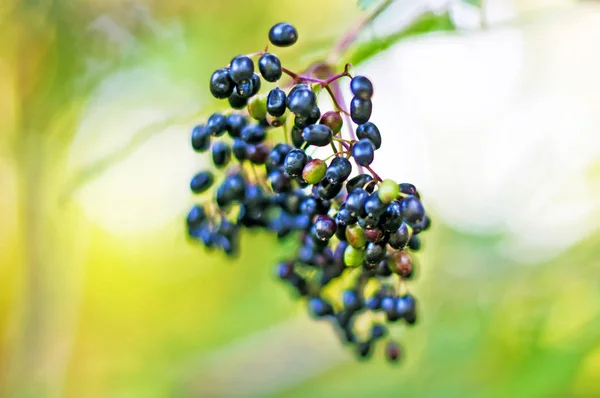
(276, 102)
(200, 138)
(269, 67)
(325, 227)
(234, 124)
(370, 131)
(253, 134)
(241, 68)
(363, 152)
(339, 170)
(360, 181)
(317, 135)
(237, 102)
(202, 181)
(283, 35)
(412, 209)
(294, 162)
(361, 87)
(221, 85)
(221, 153)
(360, 110)
(196, 216)
(374, 253)
(216, 124)
(399, 239)
(301, 101)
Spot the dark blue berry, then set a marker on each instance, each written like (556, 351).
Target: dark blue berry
(360, 181)
(297, 137)
(279, 181)
(221, 85)
(370, 131)
(253, 134)
(355, 202)
(361, 87)
(399, 239)
(283, 35)
(414, 243)
(301, 101)
(351, 300)
(325, 227)
(408, 189)
(269, 67)
(241, 68)
(317, 135)
(374, 253)
(217, 124)
(378, 331)
(200, 138)
(360, 110)
(344, 217)
(412, 209)
(237, 102)
(276, 102)
(221, 153)
(374, 205)
(202, 181)
(295, 162)
(320, 307)
(234, 124)
(363, 152)
(339, 170)
(239, 149)
(326, 190)
(196, 216)
(392, 218)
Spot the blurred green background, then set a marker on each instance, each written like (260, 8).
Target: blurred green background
(102, 295)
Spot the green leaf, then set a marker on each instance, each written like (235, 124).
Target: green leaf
(364, 4)
(427, 23)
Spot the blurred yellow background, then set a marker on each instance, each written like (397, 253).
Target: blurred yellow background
(102, 294)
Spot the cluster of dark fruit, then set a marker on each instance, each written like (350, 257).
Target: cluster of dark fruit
(352, 231)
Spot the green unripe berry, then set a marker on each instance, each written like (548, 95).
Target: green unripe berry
(314, 171)
(257, 108)
(275, 121)
(356, 236)
(333, 120)
(388, 191)
(353, 257)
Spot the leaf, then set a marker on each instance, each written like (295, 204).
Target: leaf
(428, 22)
(364, 4)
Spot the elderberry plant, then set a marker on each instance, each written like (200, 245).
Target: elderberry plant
(348, 223)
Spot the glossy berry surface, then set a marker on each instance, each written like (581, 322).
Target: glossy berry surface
(283, 35)
(360, 110)
(361, 87)
(317, 135)
(221, 85)
(241, 69)
(269, 67)
(363, 152)
(370, 131)
(276, 102)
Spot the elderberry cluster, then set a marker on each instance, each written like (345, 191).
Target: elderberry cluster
(354, 231)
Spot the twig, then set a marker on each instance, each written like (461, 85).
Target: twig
(350, 37)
